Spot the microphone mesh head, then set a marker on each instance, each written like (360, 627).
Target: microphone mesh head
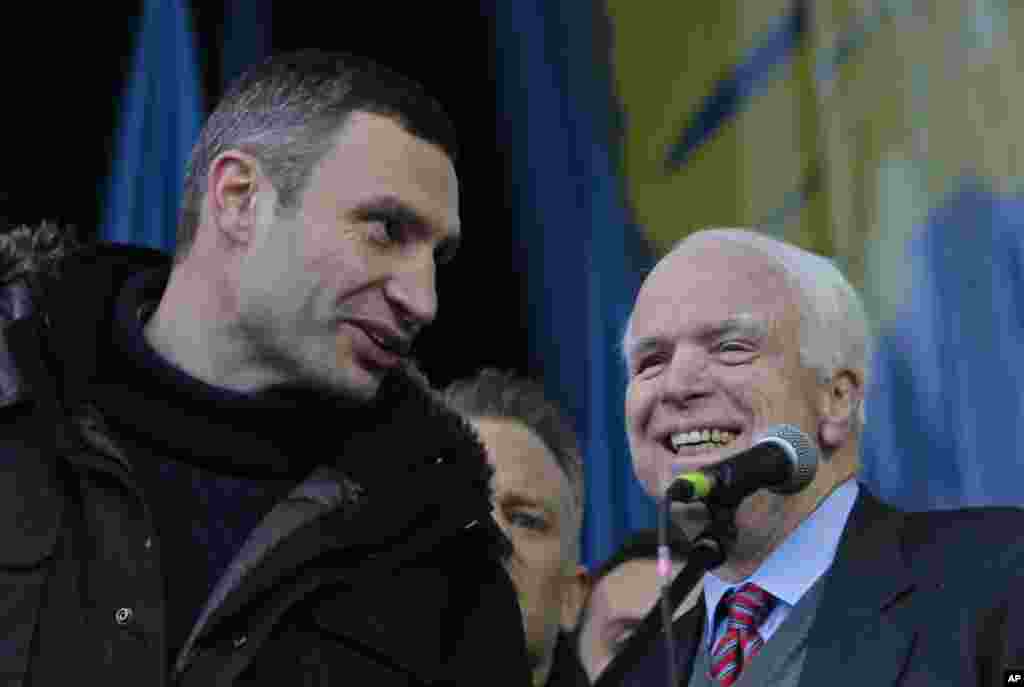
(801, 451)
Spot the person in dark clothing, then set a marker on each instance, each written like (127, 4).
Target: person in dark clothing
(538, 497)
(225, 468)
(622, 590)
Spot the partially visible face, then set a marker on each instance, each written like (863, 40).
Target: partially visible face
(617, 604)
(714, 360)
(333, 293)
(533, 504)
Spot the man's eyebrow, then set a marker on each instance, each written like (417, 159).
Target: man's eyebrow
(400, 212)
(746, 325)
(643, 345)
(515, 498)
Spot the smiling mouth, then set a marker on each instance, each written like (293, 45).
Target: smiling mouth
(699, 440)
(386, 341)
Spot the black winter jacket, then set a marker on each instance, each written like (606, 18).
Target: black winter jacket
(352, 579)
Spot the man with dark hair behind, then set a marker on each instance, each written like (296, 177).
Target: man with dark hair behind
(622, 590)
(538, 499)
(225, 469)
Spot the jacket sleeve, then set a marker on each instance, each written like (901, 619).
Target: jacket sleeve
(490, 645)
(1001, 630)
(30, 515)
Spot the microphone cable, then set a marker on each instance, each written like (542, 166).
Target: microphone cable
(664, 567)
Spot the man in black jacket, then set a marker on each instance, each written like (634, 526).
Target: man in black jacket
(226, 470)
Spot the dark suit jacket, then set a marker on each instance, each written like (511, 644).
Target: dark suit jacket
(912, 599)
(566, 669)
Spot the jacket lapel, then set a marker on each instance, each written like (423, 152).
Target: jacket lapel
(329, 513)
(321, 493)
(864, 629)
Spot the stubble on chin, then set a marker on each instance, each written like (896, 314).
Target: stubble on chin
(691, 518)
(760, 521)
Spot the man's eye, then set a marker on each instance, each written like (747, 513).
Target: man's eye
(393, 230)
(386, 230)
(645, 364)
(734, 352)
(527, 520)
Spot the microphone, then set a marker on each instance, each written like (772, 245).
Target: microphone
(782, 459)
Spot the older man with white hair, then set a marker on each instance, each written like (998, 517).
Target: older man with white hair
(732, 333)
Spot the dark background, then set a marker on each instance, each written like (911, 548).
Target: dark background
(67, 69)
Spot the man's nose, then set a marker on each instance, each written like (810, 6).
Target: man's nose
(414, 291)
(687, 377)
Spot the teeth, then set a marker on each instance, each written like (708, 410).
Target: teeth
(718, 436)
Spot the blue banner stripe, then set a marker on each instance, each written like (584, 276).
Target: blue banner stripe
(161, 114)
(733, 92)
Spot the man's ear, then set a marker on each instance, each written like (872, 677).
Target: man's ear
(232, 185)
(574, 595)
(841, 401)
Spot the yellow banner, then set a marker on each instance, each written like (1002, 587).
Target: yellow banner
(838, 125)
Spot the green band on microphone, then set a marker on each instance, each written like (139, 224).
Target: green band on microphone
(700, 481)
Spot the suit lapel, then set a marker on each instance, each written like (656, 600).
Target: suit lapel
(864, 629)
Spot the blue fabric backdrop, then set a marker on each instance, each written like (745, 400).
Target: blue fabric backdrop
(160, 118)
(945, 413)
(585, 260)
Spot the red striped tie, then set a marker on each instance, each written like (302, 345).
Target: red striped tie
(747, 609)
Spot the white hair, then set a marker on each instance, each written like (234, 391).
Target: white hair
(834, 332)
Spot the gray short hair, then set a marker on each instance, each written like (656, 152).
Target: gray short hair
(503, 395)
(285, 111)
(834, 329)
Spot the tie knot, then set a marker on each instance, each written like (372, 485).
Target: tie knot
(749, 605)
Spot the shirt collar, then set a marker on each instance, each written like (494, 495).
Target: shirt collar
(813, 543)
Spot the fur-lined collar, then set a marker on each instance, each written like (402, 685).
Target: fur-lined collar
(26, 252)
(407, 412)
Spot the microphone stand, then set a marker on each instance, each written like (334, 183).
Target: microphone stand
(708, 552)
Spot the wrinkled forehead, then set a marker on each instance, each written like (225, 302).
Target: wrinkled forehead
(706, 281)
(374, 156)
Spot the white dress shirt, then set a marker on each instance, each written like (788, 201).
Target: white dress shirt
(790, 570)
